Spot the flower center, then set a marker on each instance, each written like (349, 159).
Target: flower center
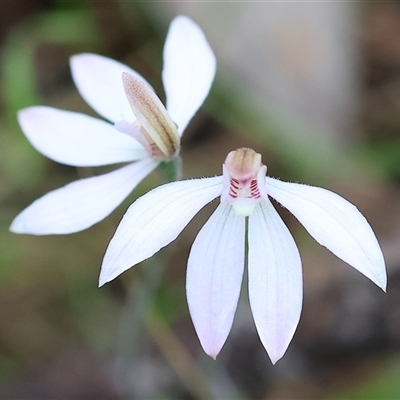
(244, 181)
(136, 131)
(239, 189)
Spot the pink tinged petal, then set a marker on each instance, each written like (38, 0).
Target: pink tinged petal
(152, 115)
(155, 220)
(98, 80)
(189, 70)
(76, 139)
(82, 203)
(214, 277)
(133, 131)
(275, 280)
(334, 223)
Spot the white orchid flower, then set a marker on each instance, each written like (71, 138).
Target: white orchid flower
(217, 257)
(141, 130)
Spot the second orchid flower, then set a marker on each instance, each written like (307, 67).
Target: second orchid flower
(141, 130)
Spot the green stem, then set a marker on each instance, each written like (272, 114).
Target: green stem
(171, 171)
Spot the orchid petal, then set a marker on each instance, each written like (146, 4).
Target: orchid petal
(275, 279)
(98, 80)
(155, 220)
(76, 139)
(82, 203)
(334, 223)
(189, 70)
(214, 277)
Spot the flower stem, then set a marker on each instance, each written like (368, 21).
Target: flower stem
(170, 171)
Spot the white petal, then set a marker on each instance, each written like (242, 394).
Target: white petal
(98, 80)
(214, 277)
(189, 70)
(275, 280)
(82, 203)
(77, 139)
(335, 223)
(155, 220)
